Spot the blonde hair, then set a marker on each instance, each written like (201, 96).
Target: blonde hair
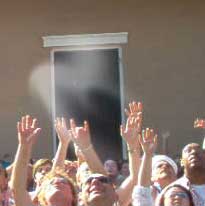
(57, 173)
(39, 163)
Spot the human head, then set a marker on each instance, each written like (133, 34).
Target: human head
(71, 169)
(57, 187)
(193, 158)
(124, 170)
(40, 168)
(164, 170)
(176, 195)
(83, 173)
(111, 168)
(98, 190)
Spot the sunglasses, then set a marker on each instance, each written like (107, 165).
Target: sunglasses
(101, 179)
(59, 180)
(183, 195)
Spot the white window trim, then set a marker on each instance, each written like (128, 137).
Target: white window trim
(85, 39)
(87, 42)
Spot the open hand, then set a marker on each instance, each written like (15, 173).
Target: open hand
(148, 141)
(27, 130)
(64, 134)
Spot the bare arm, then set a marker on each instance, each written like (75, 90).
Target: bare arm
(64, 136)
(27, 134)
(148, 141)
(81, 137)
(130, 134)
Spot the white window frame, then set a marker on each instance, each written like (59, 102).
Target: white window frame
(86, 42)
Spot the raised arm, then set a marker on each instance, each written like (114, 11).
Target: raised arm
(64, 137)
(27, 133)
(141, 195)
(130, 134)
(148, 141)
(82, 138)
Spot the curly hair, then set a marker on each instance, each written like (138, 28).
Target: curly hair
(49, 176)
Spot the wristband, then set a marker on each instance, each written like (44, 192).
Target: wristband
(132, 150)
(87, 148)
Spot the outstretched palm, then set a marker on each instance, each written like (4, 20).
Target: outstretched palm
(81, 135)
(64, 134)
(133, 125)
(27, 130)
(148, 141)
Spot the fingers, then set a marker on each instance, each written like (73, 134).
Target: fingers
(155, 139)
(140, 106)
(86, 126)
(131, 106)
(135, 107)
(37, 131)
(61, 123)
(19, 127)
(127, 112)
(34, 123)
(23, 123)
(148, 135)
(27, 122)
(122, 130)
(27, 130)
(73, 126)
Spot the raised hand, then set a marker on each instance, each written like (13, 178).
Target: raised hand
(129, 133)
(133, 125)
(27, 130)
(135, 111)
(148, 141)
(199, 123)
(64, 134)
(81, 135)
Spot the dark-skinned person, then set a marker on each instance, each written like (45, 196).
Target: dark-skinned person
(193, 162)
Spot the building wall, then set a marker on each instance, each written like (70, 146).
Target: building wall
(163, 61)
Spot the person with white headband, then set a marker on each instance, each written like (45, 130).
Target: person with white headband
(164, 172)
(155, 172)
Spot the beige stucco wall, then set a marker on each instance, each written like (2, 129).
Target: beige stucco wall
(163, 60)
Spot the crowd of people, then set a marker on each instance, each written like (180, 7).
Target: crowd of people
(145, 179)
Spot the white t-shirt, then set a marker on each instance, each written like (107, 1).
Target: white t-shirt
(200, 191)
(142, 196)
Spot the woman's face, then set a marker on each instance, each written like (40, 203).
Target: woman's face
(176, 196)
(41, 171)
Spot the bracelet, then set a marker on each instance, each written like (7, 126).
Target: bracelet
(132, 150)
(87, 148)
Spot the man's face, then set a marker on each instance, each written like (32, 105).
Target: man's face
(58, 189)
(98, 190)
(193, 157)
(164, 170)
(111, 168)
